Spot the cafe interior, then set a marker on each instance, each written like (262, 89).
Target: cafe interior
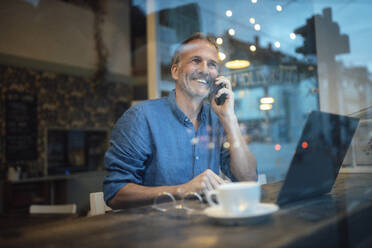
(69, 69)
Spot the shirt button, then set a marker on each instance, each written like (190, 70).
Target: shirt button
(197, 157)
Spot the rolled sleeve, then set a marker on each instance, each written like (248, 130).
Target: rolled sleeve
(129, 150)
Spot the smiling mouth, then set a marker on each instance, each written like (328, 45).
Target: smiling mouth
(203, 81)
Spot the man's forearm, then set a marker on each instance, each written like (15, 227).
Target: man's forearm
(242, 162)
(134, 195)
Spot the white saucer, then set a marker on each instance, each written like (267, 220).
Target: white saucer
(262, 211)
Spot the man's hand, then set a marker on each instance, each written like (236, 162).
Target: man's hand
(206, 181)
(243, 164)
(226, 110)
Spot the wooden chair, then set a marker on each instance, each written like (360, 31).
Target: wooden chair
(262, 179)
(97, 204)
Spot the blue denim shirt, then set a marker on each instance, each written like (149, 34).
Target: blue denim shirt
(154, 143)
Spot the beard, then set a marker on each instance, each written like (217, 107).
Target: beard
(201, 77)
(197, 84)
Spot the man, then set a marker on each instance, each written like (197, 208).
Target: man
(178, 144)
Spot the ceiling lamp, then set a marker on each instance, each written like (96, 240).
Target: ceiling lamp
(237, 64)
(267, 100)
(265, 106)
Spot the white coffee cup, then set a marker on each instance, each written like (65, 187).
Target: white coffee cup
(236, 198)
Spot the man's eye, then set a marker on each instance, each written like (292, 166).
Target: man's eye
(213, 65)
(196, 60)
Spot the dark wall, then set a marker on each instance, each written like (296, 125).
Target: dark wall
(63, 101)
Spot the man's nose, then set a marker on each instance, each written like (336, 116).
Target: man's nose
(203, 67)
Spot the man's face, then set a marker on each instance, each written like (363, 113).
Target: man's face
(198, 64)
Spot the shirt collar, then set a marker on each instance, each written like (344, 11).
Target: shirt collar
(178, 112)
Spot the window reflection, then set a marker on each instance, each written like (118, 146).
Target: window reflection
(87, 63)
(300, 54)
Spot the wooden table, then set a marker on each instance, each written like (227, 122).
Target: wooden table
(339, 219)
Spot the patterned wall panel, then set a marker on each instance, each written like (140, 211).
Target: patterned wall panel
(63, 101)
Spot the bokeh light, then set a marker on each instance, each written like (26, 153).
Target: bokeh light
(277, 147)
(221, 56)
(219, 41)
(305, 145)
(231, 31)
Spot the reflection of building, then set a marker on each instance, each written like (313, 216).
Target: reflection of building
(175, 25)
(322, 37)
(355, 87)
(271, 73)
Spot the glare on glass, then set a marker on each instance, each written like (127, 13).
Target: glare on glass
(191, 202)
(266, 106)
(267, 100)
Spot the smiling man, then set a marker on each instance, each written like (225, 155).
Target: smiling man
(178, 144)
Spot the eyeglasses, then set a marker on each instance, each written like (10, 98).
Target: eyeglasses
(190, 204)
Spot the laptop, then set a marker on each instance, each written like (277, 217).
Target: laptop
(320, 152)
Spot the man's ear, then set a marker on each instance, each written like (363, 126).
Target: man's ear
(174, 71)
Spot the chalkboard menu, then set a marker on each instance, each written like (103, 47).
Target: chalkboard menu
(21, 126)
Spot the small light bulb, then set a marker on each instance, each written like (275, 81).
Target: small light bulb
(231, 32)
(219, 41)
(221, 55)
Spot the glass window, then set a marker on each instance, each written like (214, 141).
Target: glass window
(295, 57)
(86, 62)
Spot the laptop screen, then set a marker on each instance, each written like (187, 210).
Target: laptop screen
(320, 152)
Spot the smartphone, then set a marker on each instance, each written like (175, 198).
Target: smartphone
(214, 89)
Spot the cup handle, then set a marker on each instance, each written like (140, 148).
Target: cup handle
(209, 195)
